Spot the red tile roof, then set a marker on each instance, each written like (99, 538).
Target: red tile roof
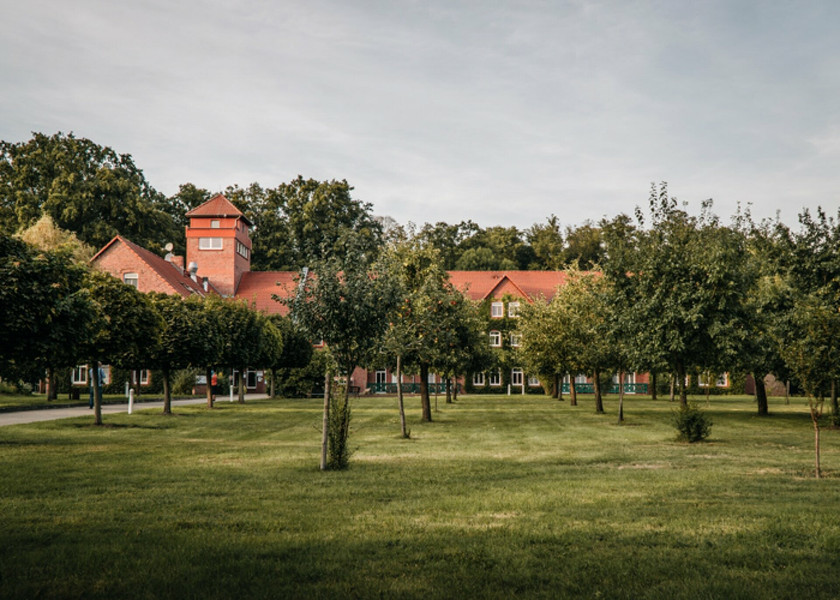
(257, 288)
(480, 285)
(179, 281)
(217, 206)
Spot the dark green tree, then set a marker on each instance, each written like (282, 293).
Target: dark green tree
(346, 304)
(126, 328)
(86, 188)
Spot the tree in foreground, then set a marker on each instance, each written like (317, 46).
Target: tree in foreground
(346, 305)
(125, 326)
(296, 349)
(689, 284)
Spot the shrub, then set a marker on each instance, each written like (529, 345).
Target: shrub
(692, 423)
(338, 449)
(183, 381)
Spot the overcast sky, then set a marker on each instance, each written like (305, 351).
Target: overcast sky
(499, 112)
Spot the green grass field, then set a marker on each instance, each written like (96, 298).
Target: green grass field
(11, 403)
(500, 497)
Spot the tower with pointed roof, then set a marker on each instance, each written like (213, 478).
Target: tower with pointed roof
(219, 243)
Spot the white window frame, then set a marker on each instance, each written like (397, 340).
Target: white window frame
(144, 377)
(497, 310)
(478, 379)
(533, 381)
(211, 243)
(581, 378)
(251, 374)
(132, 279)
(242, 250)
(513, 310)
(495, 378)
(495, 339)
(83, 370)
(516, 376)
(515, 340)
(721, 380)
(215, 224)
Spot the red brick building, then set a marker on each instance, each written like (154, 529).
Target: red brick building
(218, 261)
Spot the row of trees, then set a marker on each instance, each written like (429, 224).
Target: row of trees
(96, 193)
(58, 313)
(677, 294)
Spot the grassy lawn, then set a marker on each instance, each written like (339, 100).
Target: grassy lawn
(500, 497)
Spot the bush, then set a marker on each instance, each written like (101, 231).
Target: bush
(692, 424)
(338, 449)
(183, 381)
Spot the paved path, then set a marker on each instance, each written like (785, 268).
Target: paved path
(51, 414)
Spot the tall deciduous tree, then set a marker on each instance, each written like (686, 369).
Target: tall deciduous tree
(86, 188)
(346, 304)
(296, 349)
(690, 284)
(126, 327)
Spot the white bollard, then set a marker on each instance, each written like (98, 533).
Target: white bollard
(126, 389)
(130, 401)
(231, 393)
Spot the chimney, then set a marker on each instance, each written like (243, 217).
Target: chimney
(205, 284)
(178, 261)
(193, 269)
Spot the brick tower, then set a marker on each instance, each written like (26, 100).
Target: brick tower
(219, 244)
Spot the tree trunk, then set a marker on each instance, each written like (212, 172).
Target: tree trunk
(242, 377)
(572, 392)
(835, 409)
(325, 426)
(653, 386)
(673, 385)
(709, 386)
(681, 383)
(272, 392)
(425, 402)
(135, 383)
(787, 392)
(97, 395)
(760, 395)
(599, 403)
(557, 392)
(208, 375)
(167, 393)
(52, 385)
(815, 419)
(448, 390)
(403, 428)
(455, 388)
(621, 396)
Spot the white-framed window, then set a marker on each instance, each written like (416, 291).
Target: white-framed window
(533, 381)
(144, 377)
(80, 375)
(242, 249)
(432, 378)
(513, 309)
(495, 339)
(628, 378)
(580, 378)
(210, 243)
(251, 379)
(516, 376)
(478, 379)
(497, 310)
(215, 223)
(515, 340)
(496, 378)
(131, 279)
(721, 380)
